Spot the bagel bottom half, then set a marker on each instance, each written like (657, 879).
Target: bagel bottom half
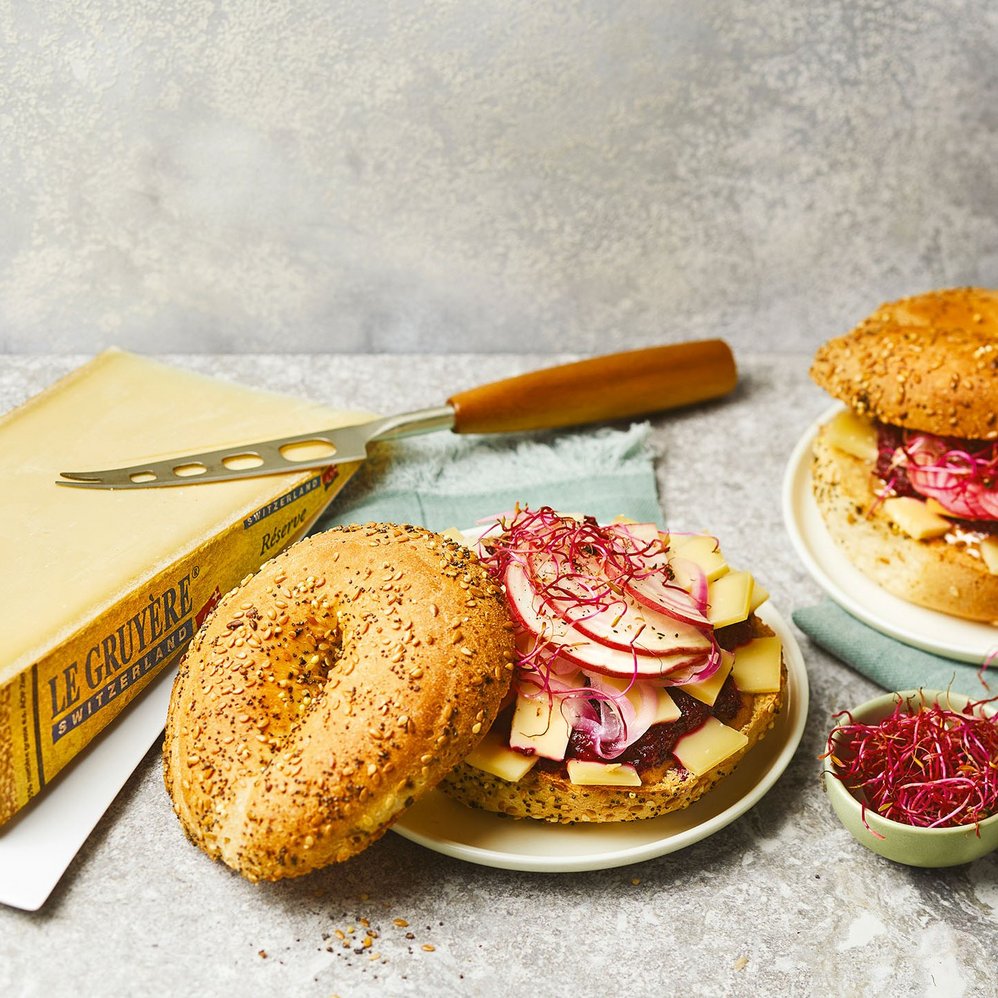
(330, 690)
(548, 794)
(937, 573)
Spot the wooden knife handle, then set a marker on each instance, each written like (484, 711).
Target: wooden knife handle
(615, 386)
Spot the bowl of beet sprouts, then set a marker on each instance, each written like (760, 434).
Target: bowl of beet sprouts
(914, 776)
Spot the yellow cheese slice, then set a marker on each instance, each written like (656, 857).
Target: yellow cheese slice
(759, 596)
(602, 774)
(701, 750)
(539, 726)
(758, 666)
(704, 551)
(989, 554)
(729, 598)
(493, 755)
(914, 518)
(706, 692)
(667, 711)
(854, 434)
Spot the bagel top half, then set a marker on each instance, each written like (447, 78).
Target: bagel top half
(330, 690)
(926, 363)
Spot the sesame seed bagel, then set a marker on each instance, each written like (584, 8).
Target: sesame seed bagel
(549, 795)
(328, 691)
(926, 363)
(940, 574)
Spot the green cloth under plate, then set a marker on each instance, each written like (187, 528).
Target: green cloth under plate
(448, 480)
(889, 663)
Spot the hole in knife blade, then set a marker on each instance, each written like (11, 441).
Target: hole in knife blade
(140, 477)
(242, 462)
(307, 450)
(190, 470)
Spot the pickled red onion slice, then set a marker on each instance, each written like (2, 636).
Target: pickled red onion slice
(961, 480)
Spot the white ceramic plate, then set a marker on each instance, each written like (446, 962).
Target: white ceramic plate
(487, 839)
(929, 630)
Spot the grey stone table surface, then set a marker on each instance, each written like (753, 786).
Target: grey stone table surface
(781, 901)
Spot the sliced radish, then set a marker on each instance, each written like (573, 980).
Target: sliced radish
(628, 626)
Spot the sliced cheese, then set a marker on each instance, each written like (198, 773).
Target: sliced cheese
(759, 596)
(493, 755)
(704, 551)
(989, 554)
(914, 518)
(701, 750)
(854, 434)
(706, 692)
(935, 506)
(602, 774)
(758, 666)
(729, 598)
(668, 711)
(539, 726)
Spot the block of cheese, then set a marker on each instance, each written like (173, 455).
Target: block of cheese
(101, 590)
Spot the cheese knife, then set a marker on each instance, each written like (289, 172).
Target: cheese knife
(599, 389)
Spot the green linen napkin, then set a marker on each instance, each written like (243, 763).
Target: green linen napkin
(453, 481)
(889, 663)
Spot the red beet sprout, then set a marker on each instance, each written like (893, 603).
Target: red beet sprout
(582, 567)
(931, 768)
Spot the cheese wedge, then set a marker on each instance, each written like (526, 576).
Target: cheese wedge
(101, 590)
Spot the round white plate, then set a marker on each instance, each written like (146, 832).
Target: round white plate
(929, 630)
(487, 839)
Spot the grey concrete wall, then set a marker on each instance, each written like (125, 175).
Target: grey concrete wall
(501, 176)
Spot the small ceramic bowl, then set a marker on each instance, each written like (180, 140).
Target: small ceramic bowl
(928, 847)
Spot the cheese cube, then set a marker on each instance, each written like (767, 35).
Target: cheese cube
(729, 598)
(757, 667)
(493, 755)
(854, 434)
(912, 517)
(701, 750)
(602, 774)
(706, 692)
(704, 551)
